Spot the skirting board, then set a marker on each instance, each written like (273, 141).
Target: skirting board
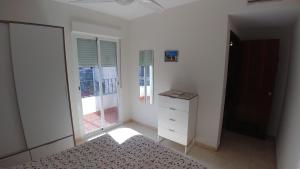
(205, 146)
(197, 143)
(140, 123)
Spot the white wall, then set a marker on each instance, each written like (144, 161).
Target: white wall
(59, 14)
(288, 149)
(200, 32)
(177, 29)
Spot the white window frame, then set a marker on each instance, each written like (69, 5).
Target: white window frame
(77, 92)
(151, 82)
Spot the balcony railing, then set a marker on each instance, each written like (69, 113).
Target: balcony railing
(109, 86)
(91, 87)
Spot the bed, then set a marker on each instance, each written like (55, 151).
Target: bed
(104, 152)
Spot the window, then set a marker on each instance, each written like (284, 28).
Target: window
(146, 76)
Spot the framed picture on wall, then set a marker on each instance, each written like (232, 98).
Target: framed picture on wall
(171, 56)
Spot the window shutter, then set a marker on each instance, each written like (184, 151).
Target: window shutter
(87, 52)
(108, 52)
(146, 57)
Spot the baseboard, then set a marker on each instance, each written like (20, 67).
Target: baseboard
(127, 121)
(79, 141)
(205, 146)
(197, 143)
(140, 123)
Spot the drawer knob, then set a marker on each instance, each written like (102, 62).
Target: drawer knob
(172, 119)
(171, 108)
(171, 130)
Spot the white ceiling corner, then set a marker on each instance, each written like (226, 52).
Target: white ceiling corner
(129, 12)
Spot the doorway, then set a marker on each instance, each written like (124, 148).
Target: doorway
(98, 84)
(251, 77)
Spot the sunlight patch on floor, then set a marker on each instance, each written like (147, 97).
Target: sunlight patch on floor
(120, 135)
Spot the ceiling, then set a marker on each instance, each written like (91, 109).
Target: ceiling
(277, 14)
(128, 12)
(263, 19)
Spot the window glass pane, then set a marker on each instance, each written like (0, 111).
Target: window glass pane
(149, 84)
(109, 95)
(89, 81)
(109, 81)
(141, 75)
(142, 83)
(90, 98)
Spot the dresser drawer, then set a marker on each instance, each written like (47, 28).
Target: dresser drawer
(174, 120)
(172, 135)
(173, 103)
(174, 126)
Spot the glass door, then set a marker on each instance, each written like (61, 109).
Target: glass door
(108, 57)
(97, 64)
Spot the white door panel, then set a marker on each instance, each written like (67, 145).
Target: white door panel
(12, 136)
(39, 71)
(52, 148)
(15, 159)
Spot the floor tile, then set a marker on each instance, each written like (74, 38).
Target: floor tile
(235, 152)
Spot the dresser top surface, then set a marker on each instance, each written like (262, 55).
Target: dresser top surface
(178, 94)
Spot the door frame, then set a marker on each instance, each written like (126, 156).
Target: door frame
(78, 102)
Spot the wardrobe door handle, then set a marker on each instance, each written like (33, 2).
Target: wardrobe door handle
(172, 120)
(171, 108)
(171, 130)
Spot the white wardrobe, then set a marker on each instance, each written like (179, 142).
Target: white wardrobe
(35, 118)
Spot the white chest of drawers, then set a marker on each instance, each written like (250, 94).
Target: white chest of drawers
(177, 118)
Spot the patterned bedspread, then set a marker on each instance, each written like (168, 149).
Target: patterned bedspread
(105, 153)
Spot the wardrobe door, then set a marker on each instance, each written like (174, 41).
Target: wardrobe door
(16, 159)
(12, 136)
(52, 148)
(41, 84)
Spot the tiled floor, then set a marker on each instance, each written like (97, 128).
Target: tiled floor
(92, 121)
(236, 151)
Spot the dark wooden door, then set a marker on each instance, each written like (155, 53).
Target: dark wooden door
(251, 108)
